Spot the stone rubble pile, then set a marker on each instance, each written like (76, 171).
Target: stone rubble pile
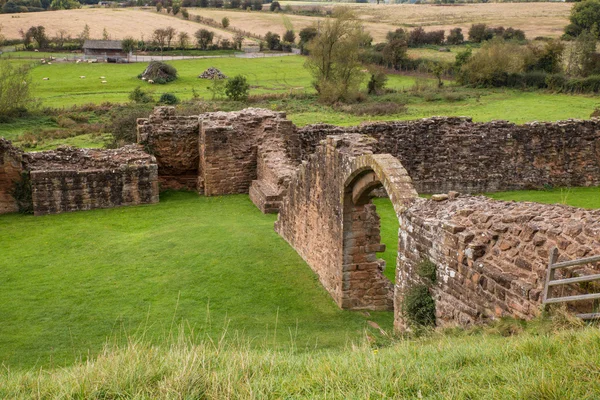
(212, 73)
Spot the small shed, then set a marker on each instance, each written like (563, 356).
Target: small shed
(103, 49)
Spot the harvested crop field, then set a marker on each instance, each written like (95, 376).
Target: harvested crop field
(119, 23)
(536, 19)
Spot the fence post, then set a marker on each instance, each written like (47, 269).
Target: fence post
(550, 273)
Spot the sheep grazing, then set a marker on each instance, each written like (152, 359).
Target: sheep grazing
(102, 77)
(150, 81)
(36, 50)
(82, 77)
(77, 62)
(46, 79)
(104, 82)
(49, 63)
(143, 79)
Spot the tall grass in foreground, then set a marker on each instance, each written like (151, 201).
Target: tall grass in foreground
(539, 363)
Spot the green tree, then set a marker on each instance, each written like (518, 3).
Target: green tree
(237, 88)
(183, 40)
(84, 35)
(584, 17)
(334, 57)
(395, 51)
(105, 35)
(15, 84)
(204, 38)
(64, 4)
(225, 22)
(289, 36)
(128, 45)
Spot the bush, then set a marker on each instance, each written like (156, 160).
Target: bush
(185, 13)
(273, 41)
(15, 84)
(426, 269)
(123, 123)
(455, 37)
(555, 82)
(419, 306)
(225, 22)
(22, 194)
(237, 88)
(289, 36)
(377, 81)
(275, 6)
(168, 98)
(138, 95)
(479, 33)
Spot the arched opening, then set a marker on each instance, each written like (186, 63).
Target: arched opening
(366, 284)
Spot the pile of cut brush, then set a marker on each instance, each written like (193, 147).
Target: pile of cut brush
(158, 72)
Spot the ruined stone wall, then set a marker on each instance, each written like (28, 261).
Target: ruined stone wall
(327, 218)
(83, 179)
(491, 256)
(173, 140)
(11, 167)
(443, 154)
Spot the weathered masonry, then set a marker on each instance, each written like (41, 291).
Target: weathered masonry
(490, 256)
(251, 151)
(78, 179)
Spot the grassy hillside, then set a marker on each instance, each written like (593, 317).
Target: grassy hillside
(541, 364)
(70, 281)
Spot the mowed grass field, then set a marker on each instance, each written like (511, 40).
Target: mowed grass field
(70, 282)
(287, 75)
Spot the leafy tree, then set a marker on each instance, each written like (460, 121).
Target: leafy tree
(170, 33)
(61, 37)
(159, 7)
(238, 39)
(584, 17)
(64, 4)
(479, 33)
(225, 22)
(2, 38)
(105, 35)
(237, 88)
(159, 37)
(204, 38)
(185, 13)
(394, 51)
(37, 33)
(455, 37)
(273, 41)
(583, 60)
(289, 36)
(183, 40)
(275, 6)
(15, 84)
(377, 81)
(85, 34)
(128, 45)
(334, 57)
(306, 35)
(176, 8)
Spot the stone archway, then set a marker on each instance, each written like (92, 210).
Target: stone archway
(364, 285)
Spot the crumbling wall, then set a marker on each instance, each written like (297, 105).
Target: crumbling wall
(173, 140)
(327, 218)
(443, 154)
(491, 256)
(71, 179)
(11, 168)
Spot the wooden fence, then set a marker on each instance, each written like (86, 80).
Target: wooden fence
(551, 282)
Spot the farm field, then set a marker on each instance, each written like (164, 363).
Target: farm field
(211, 264)
(536, 19)
(119, 23)
(285, 75)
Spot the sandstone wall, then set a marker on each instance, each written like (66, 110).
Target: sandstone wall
(444, 154)
(83, 179)
(173, 140)
(492, 256)
(327, 218)
(11, 167)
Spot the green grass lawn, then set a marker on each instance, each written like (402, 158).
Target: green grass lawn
(585, 197)
(70, 281)
(287, 74)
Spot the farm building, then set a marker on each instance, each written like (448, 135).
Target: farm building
(103, 49)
